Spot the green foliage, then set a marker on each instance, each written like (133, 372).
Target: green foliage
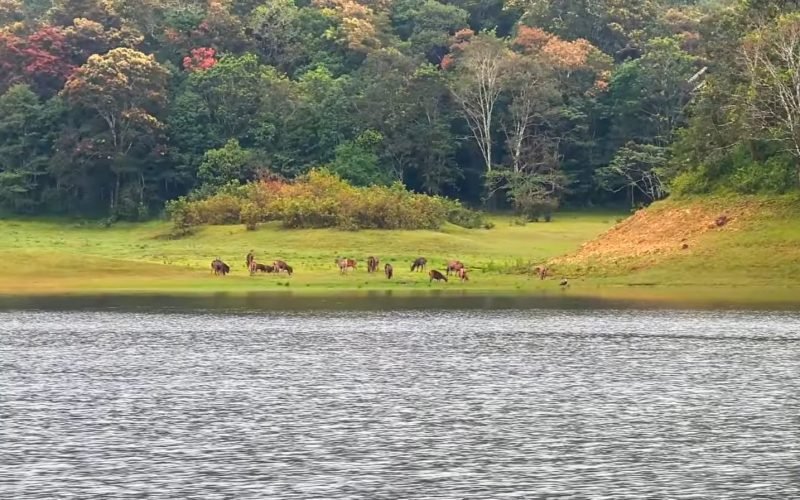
(637, 168)
(322, 199)
(230, 164)
(25, 138)
(776, 175)
(357, 161)
(584, 101)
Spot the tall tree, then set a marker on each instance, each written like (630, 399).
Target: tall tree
(27, 129)
(772, 59)
(125, 89)
(478, 69)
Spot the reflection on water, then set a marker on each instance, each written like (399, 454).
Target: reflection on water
(372, 300)
(427, 403)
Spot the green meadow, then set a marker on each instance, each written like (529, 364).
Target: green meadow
(755, 259)
(60, 256)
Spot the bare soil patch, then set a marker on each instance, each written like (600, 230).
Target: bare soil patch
(663, 230)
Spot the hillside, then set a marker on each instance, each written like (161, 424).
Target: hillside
(679, 242)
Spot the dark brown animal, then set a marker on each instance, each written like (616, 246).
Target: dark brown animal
(462, 274)
(455, 266)
(264, 268)
(419, 264)
(345, 264)
(218, 267)
(436, 275)
(289, 269)
(372, 264)
(279, 266)
(388, 271)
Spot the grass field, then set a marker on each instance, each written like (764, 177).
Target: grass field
(667, 252)
(59, 256)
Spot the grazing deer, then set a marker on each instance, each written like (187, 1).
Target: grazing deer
(436, 275)
(345, 264)
(372, 264)
(455, 266)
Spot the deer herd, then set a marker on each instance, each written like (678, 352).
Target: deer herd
(454, 266)
(345, 265)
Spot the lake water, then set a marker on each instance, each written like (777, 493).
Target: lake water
(418, 403)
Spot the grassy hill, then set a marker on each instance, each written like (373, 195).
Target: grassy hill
(678, 243)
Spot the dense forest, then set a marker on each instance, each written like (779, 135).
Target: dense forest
(116, 106)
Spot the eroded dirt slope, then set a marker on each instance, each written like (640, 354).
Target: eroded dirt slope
(662, 230)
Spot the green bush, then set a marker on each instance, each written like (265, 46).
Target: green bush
(321, 199)
(691, 182)
(776, 175)
(464, 217)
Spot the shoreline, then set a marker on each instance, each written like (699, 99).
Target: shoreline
(298, 298)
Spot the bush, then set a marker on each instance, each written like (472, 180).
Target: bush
(183, 216)
(776, 175)
(691, 182)
(321, 199)
(462, 216)
(740, 172)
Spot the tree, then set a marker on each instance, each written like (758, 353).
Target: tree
(427, 25)
(125, 89)
(637, 168)
(478, 79)
(26, 139)
(274, 27)
(201, 59)
(611, 25)
(357, 161)
(64, 12)
(234, 92)
(648, 95)
(358, 26)
(228, 164)
(648, 100)
(772, 60)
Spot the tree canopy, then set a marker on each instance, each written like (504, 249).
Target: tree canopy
(116, 107)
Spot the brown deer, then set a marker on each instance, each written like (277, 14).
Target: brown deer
(372, 264)
(436, 275)
(454, 266)
(345, 264)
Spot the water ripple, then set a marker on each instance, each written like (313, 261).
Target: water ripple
(456, 404)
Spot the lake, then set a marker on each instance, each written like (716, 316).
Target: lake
(498, 401)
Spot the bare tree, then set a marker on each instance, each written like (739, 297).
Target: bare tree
(532, 92)
(477, 85)
(772, 58)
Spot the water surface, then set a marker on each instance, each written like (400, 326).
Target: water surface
(420, 403)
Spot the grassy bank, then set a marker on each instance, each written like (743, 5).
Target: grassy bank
(673, 251)
(58, 256)
(676, 243)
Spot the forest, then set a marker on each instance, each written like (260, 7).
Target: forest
(116, 107)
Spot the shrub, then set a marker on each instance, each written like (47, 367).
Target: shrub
(462, 216)
(691, 182)
(776, 175)
(183, 216)
(321, 199)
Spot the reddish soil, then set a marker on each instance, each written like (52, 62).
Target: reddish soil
(662, 230)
